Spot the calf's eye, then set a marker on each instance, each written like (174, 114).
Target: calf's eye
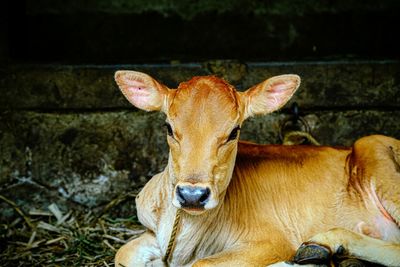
(234, 134)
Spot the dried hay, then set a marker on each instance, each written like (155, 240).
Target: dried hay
(52, 238)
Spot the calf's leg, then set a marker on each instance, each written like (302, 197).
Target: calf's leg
(359, 246)
(375, 168)
(249, 254)
(142, 251)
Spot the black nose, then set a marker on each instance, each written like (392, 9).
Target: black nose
(192, 196)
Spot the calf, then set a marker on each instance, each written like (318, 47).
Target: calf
(245, 204)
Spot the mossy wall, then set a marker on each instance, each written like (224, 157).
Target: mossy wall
(142, 31)
(190, 9)
(67, 135)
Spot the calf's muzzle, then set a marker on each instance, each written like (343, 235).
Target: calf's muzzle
(192, 197)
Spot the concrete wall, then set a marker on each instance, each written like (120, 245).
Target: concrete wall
(188, 10)
(142, 31)
(67, 134)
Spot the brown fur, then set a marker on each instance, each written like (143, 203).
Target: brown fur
(267, 200)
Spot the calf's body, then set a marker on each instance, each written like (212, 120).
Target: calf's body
(261, 202)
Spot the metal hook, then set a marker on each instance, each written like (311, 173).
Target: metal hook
(295, 121)
(295, 112)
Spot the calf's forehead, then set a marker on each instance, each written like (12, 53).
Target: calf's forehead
(204, 101)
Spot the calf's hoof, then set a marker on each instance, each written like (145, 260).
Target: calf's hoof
(311, 253)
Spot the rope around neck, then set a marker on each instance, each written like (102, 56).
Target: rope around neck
(178, 214)
(172, 238)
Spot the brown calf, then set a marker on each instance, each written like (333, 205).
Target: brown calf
(253, 205)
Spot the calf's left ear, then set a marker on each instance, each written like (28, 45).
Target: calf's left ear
(269, 95)
(142, 91)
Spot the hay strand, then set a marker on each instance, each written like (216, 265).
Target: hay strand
(58, 238)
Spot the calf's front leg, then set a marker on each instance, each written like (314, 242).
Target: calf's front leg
(142, 251)
(249, 254)
(360, 246)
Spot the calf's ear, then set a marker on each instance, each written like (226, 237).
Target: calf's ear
(142, 91)
(269, 95)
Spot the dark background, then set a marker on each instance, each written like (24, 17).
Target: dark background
(143, 31)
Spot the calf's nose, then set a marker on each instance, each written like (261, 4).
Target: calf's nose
(192, 196)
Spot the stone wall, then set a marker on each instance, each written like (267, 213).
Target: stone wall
(142, 31)
(68, 136)
(187, 9)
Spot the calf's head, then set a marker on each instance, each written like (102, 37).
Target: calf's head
(203, 120)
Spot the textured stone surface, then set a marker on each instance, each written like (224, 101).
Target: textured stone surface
(140, 31)
(91, 158)
(338, 84)
(325, 85)
(68, 136)
(88, 158)
(189, 9)
(76, 87)
(4, 51)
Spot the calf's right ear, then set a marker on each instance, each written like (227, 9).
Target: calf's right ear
(142, 91)
(269, 95)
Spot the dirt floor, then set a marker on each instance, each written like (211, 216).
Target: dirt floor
(53, 238)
